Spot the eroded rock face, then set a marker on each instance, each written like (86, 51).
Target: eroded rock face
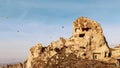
(116, 51)
(19, 65)
(87, 44)
(116, 55)
(88, 35)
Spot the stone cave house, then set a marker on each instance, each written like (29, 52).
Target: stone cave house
(87, 42)
(88, 35)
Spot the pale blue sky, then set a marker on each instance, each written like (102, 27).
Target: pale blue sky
(39, 21)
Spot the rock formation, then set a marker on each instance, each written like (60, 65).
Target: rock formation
(86, 48)
(116, 55)
(19, 65)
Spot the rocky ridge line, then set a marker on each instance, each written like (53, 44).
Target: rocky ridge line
(77, 51)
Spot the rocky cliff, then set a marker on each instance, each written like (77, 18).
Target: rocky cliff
(86, 48)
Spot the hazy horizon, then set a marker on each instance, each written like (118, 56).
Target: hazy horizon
(25, 23)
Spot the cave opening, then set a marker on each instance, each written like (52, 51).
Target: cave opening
(109, 54)
(85, 29)
(81, 35)
(43, 49)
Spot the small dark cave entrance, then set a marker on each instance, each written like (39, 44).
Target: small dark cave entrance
(43, 49)
(109, 54)
(118, 62)
(85, 29)
(81, 35)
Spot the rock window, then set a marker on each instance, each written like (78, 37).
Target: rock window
(43, 49)
(85, 29)
(82, 47)
(84, 54)
(96, 56)
(81, 35)
(57, 49)
(109, 54)
(118, 63)
(105, 54)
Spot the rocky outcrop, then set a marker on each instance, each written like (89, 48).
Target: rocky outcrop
(116, 55)
(86, 48)
(19, 65)
(61, 60)
(116, 51)
(86, 42)
(88, 37)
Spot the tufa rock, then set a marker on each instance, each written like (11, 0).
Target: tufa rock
(86, 48)
(86, 42)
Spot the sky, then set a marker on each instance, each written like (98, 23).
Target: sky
(25, 23)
